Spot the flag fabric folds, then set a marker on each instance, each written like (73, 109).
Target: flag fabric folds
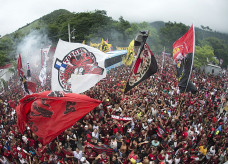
(49, 113)
(19, 67)
(184, 45)
(130, 53)
(77, 67)
(145, 64)
(183, 74)
(183, 57)
(105, 47)
(95, 45)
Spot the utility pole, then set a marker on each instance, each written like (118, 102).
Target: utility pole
(163, 59)
(69, 31)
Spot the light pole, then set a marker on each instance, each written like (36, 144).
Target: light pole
(69, 32)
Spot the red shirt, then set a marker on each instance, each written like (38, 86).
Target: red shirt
(185, 135)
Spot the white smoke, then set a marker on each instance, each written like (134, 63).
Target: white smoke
(30, 48)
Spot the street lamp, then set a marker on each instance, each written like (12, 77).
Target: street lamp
(69, 33)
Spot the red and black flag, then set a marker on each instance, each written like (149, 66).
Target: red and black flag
(100, 149)
(145, 64)
(184, 46)
(183, 56)
(19, 67)
(48, 113)
(183, 73)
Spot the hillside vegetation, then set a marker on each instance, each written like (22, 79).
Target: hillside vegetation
(94, 25)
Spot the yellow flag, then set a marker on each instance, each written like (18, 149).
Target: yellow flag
(95, 45)
(83, 42)
(105, 47)
(130, 53)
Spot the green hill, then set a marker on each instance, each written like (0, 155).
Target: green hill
(94, 25)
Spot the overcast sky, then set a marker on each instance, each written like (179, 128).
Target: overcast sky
(213, 13)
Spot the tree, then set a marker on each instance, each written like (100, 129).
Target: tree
(204, 55)
(172, 32)
(220, 49)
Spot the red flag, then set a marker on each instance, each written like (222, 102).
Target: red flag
(49, 113)
(184, 45)
(31, 86)
(19, 66)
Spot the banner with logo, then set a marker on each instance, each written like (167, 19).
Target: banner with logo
(184, 45)
(145, 64)
(76, 67)
(183, 56)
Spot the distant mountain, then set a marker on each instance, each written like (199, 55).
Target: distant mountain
(203, 34)
(157, 25)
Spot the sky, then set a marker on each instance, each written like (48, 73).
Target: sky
(213, 13)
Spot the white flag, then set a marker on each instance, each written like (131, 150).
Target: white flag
(77, 67)
(43, 75)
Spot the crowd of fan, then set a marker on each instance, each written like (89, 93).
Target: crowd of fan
(165, 126)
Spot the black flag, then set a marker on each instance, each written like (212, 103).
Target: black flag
(183, 74)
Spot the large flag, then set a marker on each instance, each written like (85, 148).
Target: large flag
(43, 74)
(19, 67)
(130, 53)
(184, 45)
(49, 113)
(77, 67)
(145, 64)
(105, 47)
(183, 56)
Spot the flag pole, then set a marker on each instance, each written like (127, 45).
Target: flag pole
(69, 31)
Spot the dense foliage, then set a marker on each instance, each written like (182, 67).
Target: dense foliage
(92, 26)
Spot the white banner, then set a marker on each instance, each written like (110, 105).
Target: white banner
(76, 67)
(43, 74)
(121, 118)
